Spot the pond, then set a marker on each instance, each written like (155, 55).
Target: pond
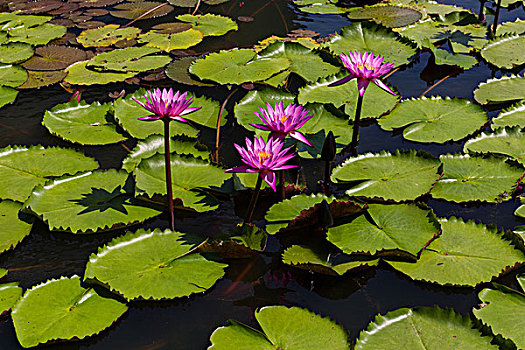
(439, 52)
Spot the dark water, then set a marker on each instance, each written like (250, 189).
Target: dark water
(186, 323)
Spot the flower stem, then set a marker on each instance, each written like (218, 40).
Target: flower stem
(218, 130)
(283, 188)
(481, 14)
(496, 18)
(355, 134)
(255, 196)
(167, 164)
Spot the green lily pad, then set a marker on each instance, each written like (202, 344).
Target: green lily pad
(507, 142)
(130, 59)
(504, 89)
(282, 328)
(171, 27)
(369, 37)
(510, 117)
(467, 178)
(155, 144)
(12, 76)
(133, 266)
(10, 20)
(13, 53)
(53, 57)
(170, 42)
(516, 27)
(177, 71)
(243, 241)
(82, 123)
(237, 66)
(39, 35)
(443, 57)
(79, 74)
(465, 254)
(319, 7)
(521, 281)
(435, 119)
(9, 295)
(501, 51)
(400, 227)
(190, 176)
(387, 15)
(209, 24)
(504, 311)
(14, 229)
(62, 309)
(304, 62)
(38, 79)
(376, 103)
(3, 272)
(142, 9)
(318, 260)
(89, 202)
(7, 95)
(107, 35)
(23, 168)
(434, 8)
(399, 176)
(430, 328)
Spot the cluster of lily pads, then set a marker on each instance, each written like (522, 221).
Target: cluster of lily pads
(370, 210)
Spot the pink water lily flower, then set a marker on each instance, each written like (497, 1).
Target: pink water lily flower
(164, 104)
(366, 68)
(263, 158)
(282, 121)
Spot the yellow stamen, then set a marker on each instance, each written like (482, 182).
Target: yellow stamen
(367, 66)
(282, 118)
(263, 155)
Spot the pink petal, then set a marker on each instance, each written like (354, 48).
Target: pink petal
(342, 81)
(298, 136)
(362, 84)
(262, 127)
(383, 86)
(149, 118)
(239, 169)
(269, 177)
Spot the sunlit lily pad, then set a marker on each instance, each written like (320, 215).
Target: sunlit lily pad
(15, 53)
(506, 88)
(12, 76)
(376, 103)
(504, 311)
(443, 57)
(430, 328)
(135, 267)
(319, 7)
(83, 123)
(465, 254)
(7, 95)
(39, 35)
(435, 119)
(190, 177)
(242, 241)
(79, 74)
(3, 272)
(53, 57)
(136, 9)
(367, 37)
(38, 79)
(400, 227)
(62, 309)
(467, 178)
(282, 328)
(107, 35)
(171, 27)
(435, 8)
(10, 20)
(209, 24)
(387, 15)
(130, 59)
(169, 42)
(14, 229)
(397, 176)
(23, 168)
(177, 71)
(508, 142)
(237, 66)
(516, 27)
(501, 51)
(510, 117)
(89, 202)
(318, 260)
(9, 295)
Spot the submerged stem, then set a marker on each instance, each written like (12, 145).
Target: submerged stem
(167, 164)
(255, 196)
(283, 187)
(355, 133)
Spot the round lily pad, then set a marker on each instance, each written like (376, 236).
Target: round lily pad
(177, 71)
(169, 42)
(13, 53)
(388, 15)
(501, 51)
(39, 35)
(9, 295)
(133, 266)
(171, 27)
(516, 27)
(209, 24)
(53, 57)
(508, 142)
(435, 119)
(79, 74)
(62, 309)
(107, 35)
(510, 117)
(465, 254)
(12, 76)
(130, 59)
(14, 229)
(136, 9)
(38, 79)
(7, 95)
(506, 88)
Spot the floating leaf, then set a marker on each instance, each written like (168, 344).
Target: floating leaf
(435, 8)
(435, 119)
(13, 53)
(62, 309)
(12, 76)
(9, 295)
(467, 178)
(169, 42)
(510, 117)
(516, 27)
(190, 177)
(387, 15)
(136, 9)
(53, 57)
(39, 35)
(400, 227)
(376, 103)
(508, 142)
(10, 20)
(89, 202)
(368, 37)
(237, 66)
(130, 59)
(96, 3)
(133, 266)
(504, 311)
(79, 74)
(171, 27)
(430, 328)
(520, 212)
(399, 176)
(7, 95)
(465, 254)
(3, 272)
(319, 7)
(209, 24)
(318, 260)
(501, 51)
(506, 88)
(107, 35)
(282, 328)
(177, 71)
(443, 57)
(82, 123)
(14, 229)
(23, 168)
(38, 79)
(243, 241)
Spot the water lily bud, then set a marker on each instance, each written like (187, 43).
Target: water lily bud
(325, 216)
(329, 150)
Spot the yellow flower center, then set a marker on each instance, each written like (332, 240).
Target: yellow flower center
(367, 66)
(263, 155)
(282, 118)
